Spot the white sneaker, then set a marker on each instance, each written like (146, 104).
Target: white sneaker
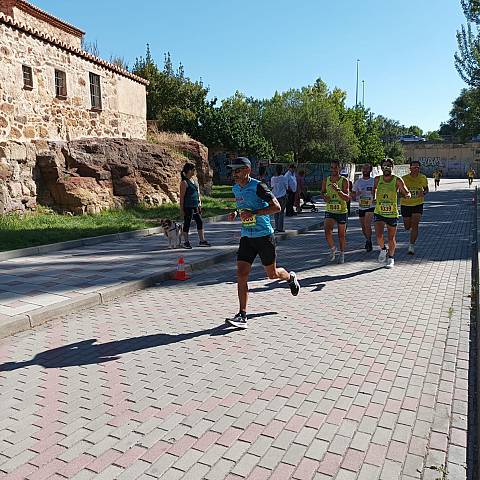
(390, 262)
(411, 249)
(341, 257)
(333, 254)
(382, 256)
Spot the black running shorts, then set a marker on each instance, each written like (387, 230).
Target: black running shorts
(390, 221)
(408, 211)
(249, 248)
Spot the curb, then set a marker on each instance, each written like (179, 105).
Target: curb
(89, 241)
(19, 323)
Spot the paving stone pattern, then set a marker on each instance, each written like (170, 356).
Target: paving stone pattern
(363, 376)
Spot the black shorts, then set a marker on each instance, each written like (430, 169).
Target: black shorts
(361, 213)
(390, 221)
(249, 248)
(408, 211)
(340, 218)
(437, 181)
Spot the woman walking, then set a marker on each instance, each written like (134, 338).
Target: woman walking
(191, 206)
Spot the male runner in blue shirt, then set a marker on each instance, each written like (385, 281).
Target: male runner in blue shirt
(256, 203)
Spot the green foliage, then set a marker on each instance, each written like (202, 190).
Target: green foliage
(236, 126)
(306, 124)
(434, 136)
(173, 100)
(464, 120)
(368, 134)
(467, 58)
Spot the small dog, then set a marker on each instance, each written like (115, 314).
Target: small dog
(173, 231)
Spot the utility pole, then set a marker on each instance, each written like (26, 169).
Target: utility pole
(356, 88)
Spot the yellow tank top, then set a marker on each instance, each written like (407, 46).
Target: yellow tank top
(335, 204)
(470, 173)
(416, 186)
(386, 198)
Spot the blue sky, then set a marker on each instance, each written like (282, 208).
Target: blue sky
(259, 46)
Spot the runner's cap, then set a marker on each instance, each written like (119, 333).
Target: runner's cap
(240, 162)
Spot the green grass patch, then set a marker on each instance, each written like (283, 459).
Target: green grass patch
(45, 226)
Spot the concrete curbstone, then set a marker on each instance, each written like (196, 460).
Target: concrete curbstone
(44, 314)
(11, 325)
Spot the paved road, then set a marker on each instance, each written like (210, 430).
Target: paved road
(363, 376)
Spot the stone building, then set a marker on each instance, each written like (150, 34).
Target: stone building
(53, 90)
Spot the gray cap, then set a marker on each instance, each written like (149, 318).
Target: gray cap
(240, 162)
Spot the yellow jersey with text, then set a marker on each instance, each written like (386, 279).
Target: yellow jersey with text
(386, 198)
(416, 185)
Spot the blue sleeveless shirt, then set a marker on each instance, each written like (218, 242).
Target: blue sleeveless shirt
(254, 196)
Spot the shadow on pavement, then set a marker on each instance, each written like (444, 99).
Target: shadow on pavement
(88, 352)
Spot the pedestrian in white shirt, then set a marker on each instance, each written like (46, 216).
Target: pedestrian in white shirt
(363, 193)
(291, 189)
(279, 190)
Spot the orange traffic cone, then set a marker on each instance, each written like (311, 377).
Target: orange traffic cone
(181, 274)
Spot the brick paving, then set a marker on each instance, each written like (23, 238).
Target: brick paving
(363, 376)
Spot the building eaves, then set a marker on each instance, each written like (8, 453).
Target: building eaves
(43, 15)
(69, 48)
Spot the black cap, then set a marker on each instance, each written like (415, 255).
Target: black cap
(240, 162)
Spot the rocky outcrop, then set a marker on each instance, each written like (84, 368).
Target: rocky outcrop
(87, 176)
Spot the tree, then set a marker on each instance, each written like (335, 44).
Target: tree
(236, 126)
(305, 124)
(467, 59)
(173, 100)
(434, 136)
(368, 135)
(464, 122)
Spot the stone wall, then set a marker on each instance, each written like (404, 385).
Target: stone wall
(454, 159)
(38, 114)
(42, 26)
(87, 176)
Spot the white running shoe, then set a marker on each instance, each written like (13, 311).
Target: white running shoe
(382, 256)
(411, 249)
(341, 257)
(390, 262)
(333, 254)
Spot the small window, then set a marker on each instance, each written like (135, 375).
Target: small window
(95, 92)
(27, 77)
(60, 84)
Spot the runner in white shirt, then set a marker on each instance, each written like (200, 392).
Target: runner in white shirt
(363, 192)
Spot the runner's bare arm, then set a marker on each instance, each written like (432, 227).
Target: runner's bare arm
(273, 207)
(324, 191)
(375, 184)
(403, 188)
(343, 193)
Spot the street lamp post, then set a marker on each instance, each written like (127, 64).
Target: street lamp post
(363, 93)
(356, 88)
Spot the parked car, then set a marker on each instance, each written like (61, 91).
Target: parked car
(411, 138)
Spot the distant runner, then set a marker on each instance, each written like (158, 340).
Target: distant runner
(437, 175)
(335, 193)
(256, 203)
(385, 191)
(363, 192)
(470, 176)
(412, 208)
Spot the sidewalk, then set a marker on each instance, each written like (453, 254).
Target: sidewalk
(34, 289)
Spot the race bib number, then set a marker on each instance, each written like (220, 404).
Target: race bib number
(335, 206)
(250, 221)
(365, 202)
(386, 208)
(415, 193)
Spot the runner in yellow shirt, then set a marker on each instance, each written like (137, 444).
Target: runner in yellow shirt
(335, 192)
(470, 176)
(437, 175)
(385, 192)
(412, 208)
